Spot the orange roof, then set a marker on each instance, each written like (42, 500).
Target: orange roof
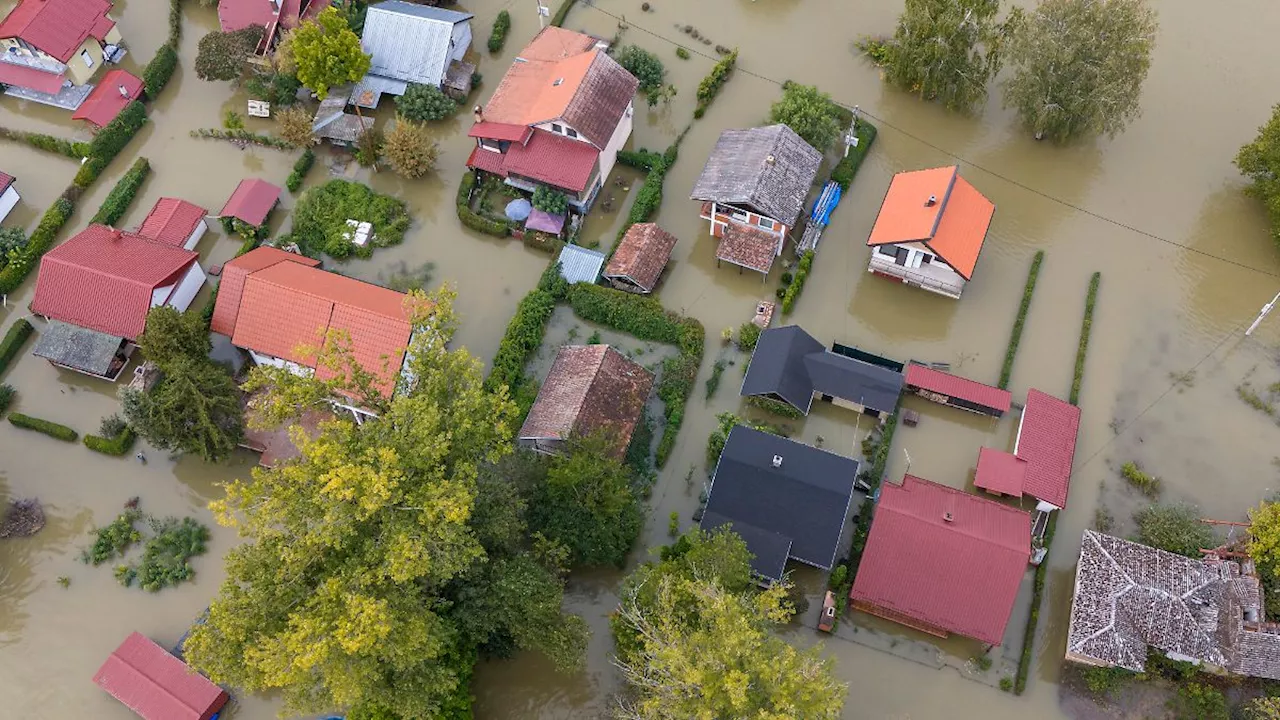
(529, 93)
(954, 225)
(555, 43)
(231, 287)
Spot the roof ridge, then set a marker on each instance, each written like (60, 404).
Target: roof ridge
(779, 130)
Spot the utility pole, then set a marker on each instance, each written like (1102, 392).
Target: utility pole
(543, 12)
(1266, 310)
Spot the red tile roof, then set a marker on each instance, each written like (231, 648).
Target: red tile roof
(30, 78)
(106, 100)
(500, 131)
(961, 574)
(231, 286)
(1000, 472)
(58, 27)
(171, 221)
(954, 226)
(157, 685)
(748, 246)
(104, 279)
(553, 159)
(5, 181)
(924, 377)
(284, 306)
(1047, 441)
(239, 14)
(251, 201)
(487, 160)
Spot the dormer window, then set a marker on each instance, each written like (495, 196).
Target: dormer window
(571, 132)
(558, 129)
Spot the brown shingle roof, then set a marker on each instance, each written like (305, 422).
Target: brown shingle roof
(739, 170)
(590, 388)
(748, 246)
(642, 254)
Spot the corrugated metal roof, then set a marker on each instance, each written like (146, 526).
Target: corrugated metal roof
(1047, 441)
(409, 42)
(1000, 472)
(920, 376)
(578, 264)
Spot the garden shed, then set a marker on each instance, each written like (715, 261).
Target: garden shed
(640, 258)
(578, 264)
(157, 685)
(955, 391)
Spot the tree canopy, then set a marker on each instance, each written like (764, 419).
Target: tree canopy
(410, 150)
(644, 65)
(1260, 162)
(1175, 528)
(194, 408)
(296, 126)
(810, 113)
(170, 336)
(695, 640)
(326, 52)
(945, 50)
(1079, 66)
(424, 103)
(221, 55)
(371, 578)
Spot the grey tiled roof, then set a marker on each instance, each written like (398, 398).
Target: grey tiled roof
(409, 42)
(76, 347)
(740, 171)
(601, 100)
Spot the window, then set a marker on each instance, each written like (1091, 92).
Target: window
(737, 214)
(926, 259)
(890, 250)
(557, 128)
(764, 222)
(900, 255)
(88, 59)
(571, 132)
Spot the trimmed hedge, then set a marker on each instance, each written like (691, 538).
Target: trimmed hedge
(52, 429)
(13, 340)
(473, 220)
(848, 166)
(524, 336)
(1015, 338)
(111, 139)
(160, 70)
(645, 318)
(1086, 328)
(711, 84)
(7, 393)
(501, 26)
(300, 169)
(118, 445)
(48, 143)
(562, 12)
(774, 406)
(649, 198)
(121, 196)
(879, 460)
(40, 241)
(1033, 618)
(793, 290)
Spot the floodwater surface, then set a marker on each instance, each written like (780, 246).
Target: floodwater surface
(1166, 356)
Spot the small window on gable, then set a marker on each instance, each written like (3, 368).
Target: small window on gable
(764, 222)
(571, 132)
(557, 128)
(87, 58)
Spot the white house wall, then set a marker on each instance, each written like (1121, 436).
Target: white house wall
(609, 155)
(8, 201)
(187, 288)
(461, 39)
(194, 238)
(272, 361)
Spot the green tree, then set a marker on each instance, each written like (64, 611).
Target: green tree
(945, 50)
(410, 150)
(699, 649)
(12, 239)
(171, 336)
(1264, 708)
(194, 408)
(587, 504)
(1174, 528)
(1260, 162)
(810, 113)
(221, 55)
(274, 86)
(1079, 66)
(354, 11)
(549, 200)
(424, 103)
(327, 53)
(644, 65)
(357, 586)
(296, 126)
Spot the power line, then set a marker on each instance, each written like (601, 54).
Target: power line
(1016, 183)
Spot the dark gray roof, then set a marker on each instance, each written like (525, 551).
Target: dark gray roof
(789, 363)
(77, 347)
(769, 550)
(804, 500)
(739, 171)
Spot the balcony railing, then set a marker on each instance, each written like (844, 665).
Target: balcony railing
(48, 65)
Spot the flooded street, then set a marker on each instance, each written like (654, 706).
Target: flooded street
(1163, 311)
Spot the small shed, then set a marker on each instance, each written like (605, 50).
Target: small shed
(578, 264)
(252, 201)
(955, 391)
(117, 89)
(334, 124)
(639, 259)
(8, 194)
(175, 222)
(83, 350)
(157, 685)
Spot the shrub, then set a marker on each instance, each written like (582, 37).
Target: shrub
(114, 539)
(1006, 683)
(848, 166)
(14, 337)
(562, 12)
(1033, 618)
(368, 147)
(158, 72)
(122, 195)
(1102, 681)
(773, 406)
(232, 120)
(748, 336)
(711, 84)
(320, 218)
(278, 88)
(786, 278)
(673, 524)
(1148, 484)
(1086, 326)
(797, 285)
(1015, 337)
(112, 425)
(810, 113)
(112, 138)
(410, 150)
(117, 444)
(300, 169)
(713, 382)
(682, 53)
(644, 65)
(165, 556)
(1201, 702)
(473, 220)
(523, 337)
(424, 103)
(52, 429)
(498, 36)
(48, 143)
(550, 201)
(40, 241)
(7, 393)
(542, 242)
(1174, 528)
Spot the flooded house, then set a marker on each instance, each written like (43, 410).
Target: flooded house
(753, 189)
(175, 222)
(96, 289)
(590, 389)
(51, 49)
(274, 16)
(285, 311)
(116, 90)
(156, 685)
(410, 45)
(8, 194)
(640, 258)
(788, 365)
(787, 500)
(557, 119)
(251, 202)
(1209, 611)
(930, 230)
(942, 561)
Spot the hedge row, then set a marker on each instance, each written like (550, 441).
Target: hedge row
(118, 445)
(793, 290)
(1033, 618)
(879, 461)
(243, 136)
(300, 169)
(473, 220)
(52, 429)
(41, 240)
(1015, 338)
(848, 166)
(501, 26)
(649, 198)
(121, 196)
(1086, 328)
(711, 84)
(7, 393)
(112, 138)
(645, 318)
(776, 407)
(562, 12)
(524, 336)
(159, 71)
(48, 143)
(11, 345)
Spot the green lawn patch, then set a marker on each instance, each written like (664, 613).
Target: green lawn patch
(1006, 371)
(320, 219)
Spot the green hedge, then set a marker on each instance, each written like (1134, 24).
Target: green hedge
(473, 220)
(523, 337)
(52, 429)
(7, 394)
(774, 406)
(645, 318)
(498, 37)
(562, 12)
(48, 143)
(711, 84)
(175, 22)
(793, 290)
(649, 198)
(121, 196)
(1033, 618)
(848, 166)
(1015, 338)
(40, 241)
(300, 169)
(1086, 328)
(111, 139)
(118, 445)
(13, 340)
(159, 71)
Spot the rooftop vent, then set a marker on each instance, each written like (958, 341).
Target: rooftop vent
(777, 461)
(948, 517)
(479, 113)
(124, 91)
(558, 81)
(933, 200)
(770, 159)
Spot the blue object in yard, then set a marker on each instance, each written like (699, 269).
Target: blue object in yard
(826, 203)
(519, 209)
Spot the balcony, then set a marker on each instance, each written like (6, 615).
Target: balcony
(30, 60)
(940, 280)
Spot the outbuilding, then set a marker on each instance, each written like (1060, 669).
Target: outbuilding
(955, 391)
(639, 259)
(8, 194)
(157, 685)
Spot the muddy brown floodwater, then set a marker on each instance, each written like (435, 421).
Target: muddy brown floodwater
(1163, 311)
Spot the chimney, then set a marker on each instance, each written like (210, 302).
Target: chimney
(124, 92)
(770, 159)
(479, 113)
(947, 516)
(933, 200)
(777, 461)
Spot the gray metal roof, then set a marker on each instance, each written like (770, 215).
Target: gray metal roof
(578, 264)
(77, 347)
(409, 42)
(790, 364)
(769, 169)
